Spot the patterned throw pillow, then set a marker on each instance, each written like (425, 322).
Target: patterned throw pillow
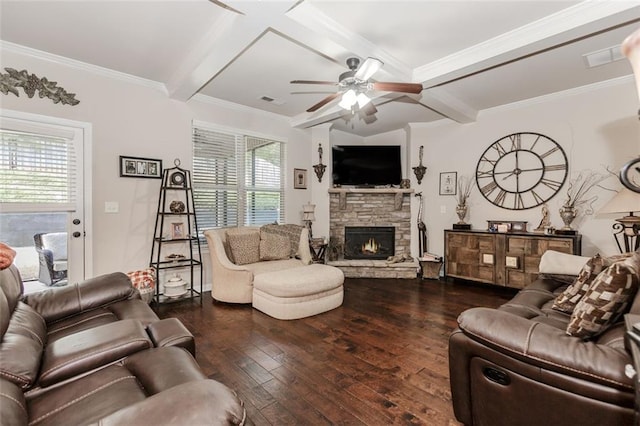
(569, 298)
(608, 297)
(245, 246)
(145, 281)
(274, 246)
(291, 231)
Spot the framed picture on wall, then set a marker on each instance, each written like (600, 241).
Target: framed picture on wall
(140, 167)
(300, 178)
(448, 183)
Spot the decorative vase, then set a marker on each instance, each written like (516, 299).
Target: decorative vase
(568, 214)
(461, 211)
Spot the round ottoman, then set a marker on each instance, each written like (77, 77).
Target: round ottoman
(298, 292)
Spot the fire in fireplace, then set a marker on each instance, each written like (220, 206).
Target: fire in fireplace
(369, 242)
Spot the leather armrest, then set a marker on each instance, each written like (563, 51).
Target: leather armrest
(200, 402)
(89, 349)
(171, 332)
(13, 407)
(546, 346)
(80, 297)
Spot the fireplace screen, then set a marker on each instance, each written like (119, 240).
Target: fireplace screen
(369, 242)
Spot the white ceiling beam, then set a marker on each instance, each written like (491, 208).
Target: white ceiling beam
(230, 35)
(324, 27)
(568, 24)
(439, 100)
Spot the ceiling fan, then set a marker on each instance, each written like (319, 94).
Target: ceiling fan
(354, 84)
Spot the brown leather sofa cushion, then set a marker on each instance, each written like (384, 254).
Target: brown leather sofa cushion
(89, 349)
(129, 383)
(21, 346)
(73, 299)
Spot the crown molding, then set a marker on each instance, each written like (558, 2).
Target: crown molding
(79, 65)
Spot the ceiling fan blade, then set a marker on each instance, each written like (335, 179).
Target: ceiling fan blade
(332, 83)
(368, 68)
(397, 87)
(323, 102)
(369, 109)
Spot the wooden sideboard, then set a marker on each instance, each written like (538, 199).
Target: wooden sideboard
(506, 259)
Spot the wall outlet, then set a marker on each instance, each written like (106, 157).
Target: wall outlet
(443, 209)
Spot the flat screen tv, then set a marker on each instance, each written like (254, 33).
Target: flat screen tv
(366, 165)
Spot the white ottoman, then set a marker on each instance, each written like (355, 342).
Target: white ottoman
(298, 292)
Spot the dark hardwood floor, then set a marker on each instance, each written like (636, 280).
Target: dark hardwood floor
(381, 358)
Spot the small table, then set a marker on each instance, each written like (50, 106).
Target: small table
(318, 247)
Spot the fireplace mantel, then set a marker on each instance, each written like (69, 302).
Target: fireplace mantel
(397, 192)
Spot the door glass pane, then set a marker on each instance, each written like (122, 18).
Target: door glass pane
(19, 230)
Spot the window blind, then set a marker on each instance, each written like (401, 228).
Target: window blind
(37, 172)
(237, 179)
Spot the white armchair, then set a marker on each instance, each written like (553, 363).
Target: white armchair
(234, 283)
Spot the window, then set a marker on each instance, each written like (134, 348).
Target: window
(36, 172)
(237, 179)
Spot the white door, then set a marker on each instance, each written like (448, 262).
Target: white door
(41, 192)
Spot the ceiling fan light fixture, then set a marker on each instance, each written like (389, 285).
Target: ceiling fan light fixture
(362, 100)
(368, 68)
(349, 99)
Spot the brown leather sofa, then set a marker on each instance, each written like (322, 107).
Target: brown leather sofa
(94, 352)
(516, 365)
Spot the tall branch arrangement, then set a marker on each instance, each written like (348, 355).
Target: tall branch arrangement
(579, 188)
(464, 190)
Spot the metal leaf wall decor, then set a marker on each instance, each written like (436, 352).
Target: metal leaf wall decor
(31, 83)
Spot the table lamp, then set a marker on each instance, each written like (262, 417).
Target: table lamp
(308, 216)
(627, 228)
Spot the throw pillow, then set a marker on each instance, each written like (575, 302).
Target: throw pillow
(607, 298)
(569, 298)
(292, 232)
(144, 280)
(245, 246)
(274, 246)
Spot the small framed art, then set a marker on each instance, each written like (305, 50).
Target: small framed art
(448, 183)
(177, 231)
(140, 167)
(300, 178)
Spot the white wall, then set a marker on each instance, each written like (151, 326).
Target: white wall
(137, 120)
(597, 128)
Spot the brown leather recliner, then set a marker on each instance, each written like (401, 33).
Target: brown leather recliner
(94, 352)
(516, 365)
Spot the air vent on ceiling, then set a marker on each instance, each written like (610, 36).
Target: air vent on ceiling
(272, 100)
(604, 56)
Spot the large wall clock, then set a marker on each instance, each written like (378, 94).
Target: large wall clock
(521, 171)
(630, 175)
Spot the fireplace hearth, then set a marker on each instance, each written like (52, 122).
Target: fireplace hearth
(369, 242)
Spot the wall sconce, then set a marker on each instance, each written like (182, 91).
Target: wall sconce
(319, 168)
(420, 170)
(308, 216)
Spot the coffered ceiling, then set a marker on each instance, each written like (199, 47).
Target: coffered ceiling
(469, 55)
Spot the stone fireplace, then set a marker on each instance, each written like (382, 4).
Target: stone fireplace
(368, 209)
(369, 242)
